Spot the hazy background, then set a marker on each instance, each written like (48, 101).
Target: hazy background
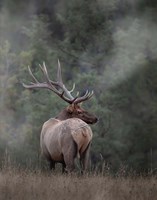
(106, 46)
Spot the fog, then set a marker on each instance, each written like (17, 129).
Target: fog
(134, 44)
(134, 39)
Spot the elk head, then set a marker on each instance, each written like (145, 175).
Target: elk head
(74, 109)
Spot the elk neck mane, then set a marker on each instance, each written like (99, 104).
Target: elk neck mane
(63, 115)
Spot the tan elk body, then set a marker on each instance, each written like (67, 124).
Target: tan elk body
(67, 136)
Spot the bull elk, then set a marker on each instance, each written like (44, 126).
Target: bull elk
(68, 135)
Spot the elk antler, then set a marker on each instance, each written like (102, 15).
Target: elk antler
(57, 87)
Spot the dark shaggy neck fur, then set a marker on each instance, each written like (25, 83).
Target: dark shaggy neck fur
(63, 115)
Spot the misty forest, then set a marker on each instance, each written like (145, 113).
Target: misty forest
(109, 47)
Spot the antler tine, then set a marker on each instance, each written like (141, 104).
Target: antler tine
(32, 84)
(59, 76)
(30, 72)
(73, 101)
(61, 85)
(90, 94)
(77, 94)
(72, 88)
(60, 82)
(85, 97)
(45, 72)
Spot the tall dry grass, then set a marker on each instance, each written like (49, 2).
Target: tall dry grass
(26, 185)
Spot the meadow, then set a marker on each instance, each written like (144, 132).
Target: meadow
(16, 184)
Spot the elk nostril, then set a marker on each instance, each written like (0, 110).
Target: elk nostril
(97, 119)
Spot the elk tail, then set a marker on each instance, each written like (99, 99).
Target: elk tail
(78, 154)
(77, 151)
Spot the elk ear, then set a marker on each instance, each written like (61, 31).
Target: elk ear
(70, 108)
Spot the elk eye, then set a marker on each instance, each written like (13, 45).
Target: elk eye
(79, 111)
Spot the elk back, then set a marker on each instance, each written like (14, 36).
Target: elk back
(54, 130)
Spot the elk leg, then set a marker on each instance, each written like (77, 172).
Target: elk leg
(63, 167)
(69, 156)
(69, 150)
(85, 158)
(52, 164)
(69, 163)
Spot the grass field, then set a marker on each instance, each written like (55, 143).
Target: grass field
(26, 185)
